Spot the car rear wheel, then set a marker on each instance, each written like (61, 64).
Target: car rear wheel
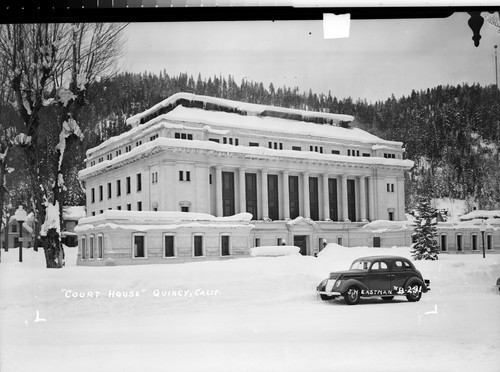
(388, 298)
(352, 295)
(414, 292)
(326, 297)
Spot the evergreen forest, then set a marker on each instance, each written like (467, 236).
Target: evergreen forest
(452, 133)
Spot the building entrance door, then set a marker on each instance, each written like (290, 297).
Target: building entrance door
(301, 242)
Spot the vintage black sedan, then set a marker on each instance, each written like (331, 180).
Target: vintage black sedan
(375, 276)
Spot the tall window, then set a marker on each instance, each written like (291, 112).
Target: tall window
(251, 194)
(351, 200)
(139, 206)
(91, 247)
(313, 198)
(169, 248)
(118, 188)
(139, 182)
(489, 242)
(272, 192)
(332, 199)
(227, 193)
(459, 243)
(84, 248)
(293, 188)
(444, 243)
(100, 246)
(224, 242)
(109, 190)
(92, 195)
(128, 185)
(100, 193)
(139, 242)
(198, 245)
(474, 242)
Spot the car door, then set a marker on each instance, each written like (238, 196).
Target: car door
(399, 275)
(379, 278)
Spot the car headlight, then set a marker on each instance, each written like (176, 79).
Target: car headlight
(323, 283)
(338, 283)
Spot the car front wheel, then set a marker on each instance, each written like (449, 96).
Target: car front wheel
(414, 292)
(352, 295)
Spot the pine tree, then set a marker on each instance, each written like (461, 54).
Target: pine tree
(425, 246)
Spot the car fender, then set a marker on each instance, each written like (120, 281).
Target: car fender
(350, 282)
(416, 280)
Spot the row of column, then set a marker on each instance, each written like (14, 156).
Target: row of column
(365, 199)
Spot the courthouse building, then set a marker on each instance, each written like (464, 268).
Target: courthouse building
(305, 178)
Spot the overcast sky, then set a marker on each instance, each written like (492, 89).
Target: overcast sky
(379, 58)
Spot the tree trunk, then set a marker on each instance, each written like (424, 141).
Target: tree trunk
(54, 254)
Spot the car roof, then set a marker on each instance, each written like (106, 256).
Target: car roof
(381, 257)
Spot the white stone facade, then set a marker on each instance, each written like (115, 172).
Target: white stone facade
(305, 177)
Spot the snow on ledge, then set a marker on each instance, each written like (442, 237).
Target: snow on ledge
(274, 251)
(386, 225)
(151, 217)
(480, 214)
(164, 144)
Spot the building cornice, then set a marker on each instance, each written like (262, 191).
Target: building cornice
(206, 149)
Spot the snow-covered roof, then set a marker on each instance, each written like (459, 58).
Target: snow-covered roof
(299, 128)
(241, 108)
(184, 108)
(155, 216)
(480, 214)
(170, 144)
(74, 213)
(152, 220)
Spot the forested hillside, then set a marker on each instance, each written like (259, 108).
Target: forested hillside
(452, 133)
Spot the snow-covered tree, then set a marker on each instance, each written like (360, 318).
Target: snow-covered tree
(49, 68)
(425, 246)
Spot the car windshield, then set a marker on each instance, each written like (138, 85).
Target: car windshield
(360, 265)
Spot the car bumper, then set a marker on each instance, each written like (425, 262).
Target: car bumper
(328, 293)
(427, 285)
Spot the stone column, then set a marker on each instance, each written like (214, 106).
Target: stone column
(243, 202)
(286, 196)
(326, 201)
(345, 212)
(264, 196)
(305, 188)
(362, 198)
(371, 199)
(218, 190)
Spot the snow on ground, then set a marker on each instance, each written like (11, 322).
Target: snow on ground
(250, 314)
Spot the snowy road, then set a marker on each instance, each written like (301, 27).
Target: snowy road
(265, 318)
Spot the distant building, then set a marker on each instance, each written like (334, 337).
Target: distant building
(13, 235)
(305, 177)
(71, 216)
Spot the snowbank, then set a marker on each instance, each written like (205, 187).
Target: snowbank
(255, 315)
(273, 251)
